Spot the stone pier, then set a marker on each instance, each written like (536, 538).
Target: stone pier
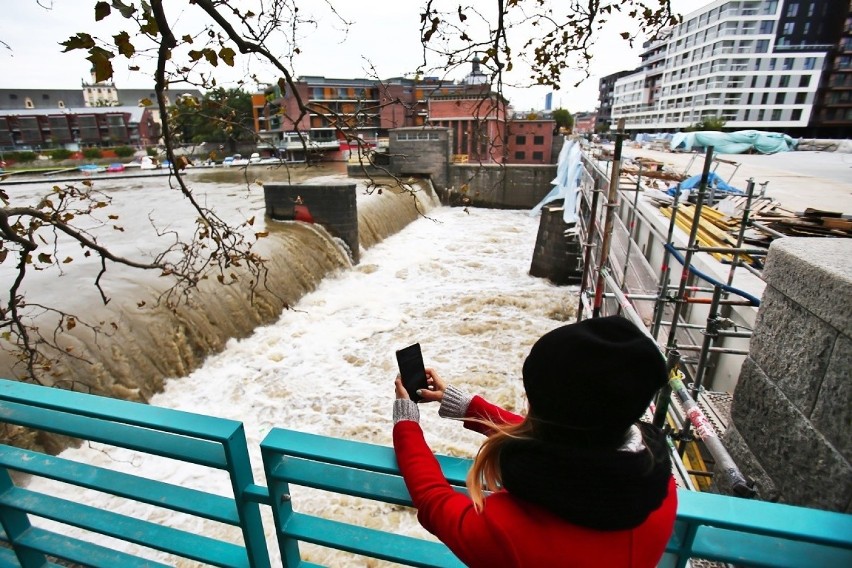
(792, 405)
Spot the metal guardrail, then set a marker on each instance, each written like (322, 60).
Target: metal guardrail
(709, 526)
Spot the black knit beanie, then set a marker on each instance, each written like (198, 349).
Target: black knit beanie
(589, 381)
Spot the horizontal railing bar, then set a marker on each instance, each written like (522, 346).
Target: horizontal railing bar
(116, 410)
(167, 539)
(80, 551)
(349, 453)
(155, 442)
(370, 542)
(764, 551)
(153, 492)
(761, 517)
(342, 479)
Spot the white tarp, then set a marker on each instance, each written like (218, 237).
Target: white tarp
(566, 183)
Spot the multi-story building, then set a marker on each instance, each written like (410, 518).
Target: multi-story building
(606, 96)
(339, 111)
(530, 139)
(757, 64)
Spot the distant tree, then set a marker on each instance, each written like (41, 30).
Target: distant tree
(60, 154)
(222, 115)
(709, 123)
(124, 151)
(563, 119)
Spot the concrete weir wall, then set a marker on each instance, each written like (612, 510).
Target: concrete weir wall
(792, 406)
(512, 186)
(557, 256)
(333, 206)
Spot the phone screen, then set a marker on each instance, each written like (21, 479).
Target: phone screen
(412, 370)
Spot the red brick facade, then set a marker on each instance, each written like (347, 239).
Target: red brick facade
(530, 141)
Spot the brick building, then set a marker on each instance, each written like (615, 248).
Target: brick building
(530, 140)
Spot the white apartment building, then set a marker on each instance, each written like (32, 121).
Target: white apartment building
(757, 64)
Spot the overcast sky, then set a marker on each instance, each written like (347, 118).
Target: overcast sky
(384, 34)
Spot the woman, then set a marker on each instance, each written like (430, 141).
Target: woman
(579, 481)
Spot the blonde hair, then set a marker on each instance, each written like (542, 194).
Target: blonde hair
(485, 474)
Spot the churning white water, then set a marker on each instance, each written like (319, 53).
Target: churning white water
(456, 281)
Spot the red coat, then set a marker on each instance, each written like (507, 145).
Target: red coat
(511, 532)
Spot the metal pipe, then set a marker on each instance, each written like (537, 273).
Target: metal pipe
(709, 337)
(724, 463)
(665, 270)
(763, 227)
(727, 350)
(661, 404)
(693, 233)
(631, 226)
(731, 250)
(741, 234)
(589, 244)
(612, 202)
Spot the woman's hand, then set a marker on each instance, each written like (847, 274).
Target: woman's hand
(400, 390)
(436, 386)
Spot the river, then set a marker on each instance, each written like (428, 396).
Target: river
(456, 280)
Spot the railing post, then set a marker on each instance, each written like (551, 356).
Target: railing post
(15, 523)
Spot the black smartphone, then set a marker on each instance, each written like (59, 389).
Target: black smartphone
(412, 370)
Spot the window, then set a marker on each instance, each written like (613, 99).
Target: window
(539, 156)
(784, 81)
(780, 98)
(764, 99)
(766, 26)
(520, 155)
(809, 62)
(797, 114)
(754, 82)
(792, 10)
(750, 98)
(788, 63)
(762, 46)
(801, 98)
(788, 28)
(772, 64)
(13, 96)
(520, 140)
(760, 115)
(776, 114)
(45, 97)
(804, 80)
(538, 140)
(28, 102)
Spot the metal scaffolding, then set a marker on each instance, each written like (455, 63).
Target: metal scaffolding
(619, 279)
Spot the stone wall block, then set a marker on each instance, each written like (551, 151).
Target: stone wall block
(804, 466)
(816, 275)
(749, 466)
(792, 347)
(833, 412)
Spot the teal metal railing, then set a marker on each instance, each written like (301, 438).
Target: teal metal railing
(712, 527)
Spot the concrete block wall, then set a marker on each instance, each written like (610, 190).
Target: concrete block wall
(501, 186)
(334, 206)
(556, 256)
(421, 151)
(792, 406)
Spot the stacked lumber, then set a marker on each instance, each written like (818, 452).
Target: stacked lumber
(719, 226)
(715, 229)
(810, 223)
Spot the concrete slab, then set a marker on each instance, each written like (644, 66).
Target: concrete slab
(798, 180)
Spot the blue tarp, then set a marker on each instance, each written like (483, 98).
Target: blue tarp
(734, 142)
(713, 182)
(566, 183)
